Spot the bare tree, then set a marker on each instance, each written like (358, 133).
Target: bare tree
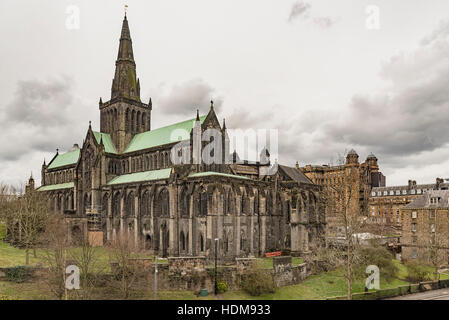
(86, 259)
(126, 270)
(55, 257)
(342, 201)
(32, 214)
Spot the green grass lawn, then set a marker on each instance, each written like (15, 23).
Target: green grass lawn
(268, 262)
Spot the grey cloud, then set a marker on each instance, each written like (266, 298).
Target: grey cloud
(405, 122)
(43, 116)
(182, 98)
(324, 22)
(300, 9)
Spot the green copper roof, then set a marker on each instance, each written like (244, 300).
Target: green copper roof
(161, 136)
(212, 173)
(65, 159)
(141, 176)
(56, 186)
(107, 141)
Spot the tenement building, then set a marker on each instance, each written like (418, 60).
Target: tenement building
(425, 228)
(125, 179)
(385, 203)
(352, 180)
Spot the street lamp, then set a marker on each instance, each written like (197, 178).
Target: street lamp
(216, 257)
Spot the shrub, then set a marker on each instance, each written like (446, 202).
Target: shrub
(417, 272)
(19, 274)
(380, 257)
(257, 281)
(222, 287)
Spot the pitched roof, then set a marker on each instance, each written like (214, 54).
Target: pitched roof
(165, 135)
(295, 174)
(141, 176)
(65, 159)
(107, 141)
(423, 201)
(212, 173)
(56, 186)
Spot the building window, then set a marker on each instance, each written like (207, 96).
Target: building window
(431, 215)
(414, 227)
(432, 228)
(414, 214)
(404, 191)
(391, 193)
(413, 191)
(418, 191)
(414, 254)
(373, 194)
(414, 239)
(398, 192)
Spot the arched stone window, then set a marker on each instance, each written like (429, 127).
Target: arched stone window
(201, 243)
(130, 204)
(133, 121)
(138, 122)
(104, 205)
(145, 204)
(116, 205)
(127, 120)
(183, 241)
(162, 204)
(185, 204)
(201, 203)
(242, 240)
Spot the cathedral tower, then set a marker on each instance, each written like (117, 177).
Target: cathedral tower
(125, 115)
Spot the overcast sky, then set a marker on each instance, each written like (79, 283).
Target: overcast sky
(320, 71)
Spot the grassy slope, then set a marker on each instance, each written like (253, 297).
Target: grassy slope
(315, 287)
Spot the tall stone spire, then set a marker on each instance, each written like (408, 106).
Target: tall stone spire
(125, 84)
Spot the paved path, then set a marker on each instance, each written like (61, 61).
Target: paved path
(441, 294)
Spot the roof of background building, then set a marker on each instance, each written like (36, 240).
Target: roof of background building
(56, 186)
(212, 173)
(424, 202)
(295, 174)
(173, 133)
(65, 159)
(107, 141)
(141, 176)
(408, 189)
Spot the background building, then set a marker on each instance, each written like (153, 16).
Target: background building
(385, 203)
(335, 181)
(425, 228)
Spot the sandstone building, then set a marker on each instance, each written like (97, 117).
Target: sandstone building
(425, 228)
(350, 180)
(124, 176)
(385, 203)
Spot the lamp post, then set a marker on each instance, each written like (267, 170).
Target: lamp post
(216, 257)
(155, 278)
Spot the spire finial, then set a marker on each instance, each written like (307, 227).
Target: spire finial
(197, 115)
(90, 124)
(126, 10)
(212, 104)
(224, 124)
(57, 150)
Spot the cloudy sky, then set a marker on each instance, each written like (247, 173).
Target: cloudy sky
(328, 74)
